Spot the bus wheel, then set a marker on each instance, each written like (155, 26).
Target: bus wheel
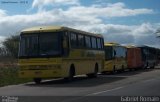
(104, 73)
(130, 69)
(71, 74)
(122, 70)
(146, 66)
(37, 80)
(94, 75)
(153, 66)
(114, 70)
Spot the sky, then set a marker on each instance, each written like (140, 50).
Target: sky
(123, 21)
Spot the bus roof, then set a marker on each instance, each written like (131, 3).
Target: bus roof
(111, 44)
(54, 29)
(130, 46)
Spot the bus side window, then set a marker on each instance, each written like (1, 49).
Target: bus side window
(115, 53)
(65, 40)
(94, 42)
(81, 41)
(99, 43)
(88, 42)
(73, 40)
(102, 44)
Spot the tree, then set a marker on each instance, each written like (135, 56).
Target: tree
(3, 52)
(11, 44)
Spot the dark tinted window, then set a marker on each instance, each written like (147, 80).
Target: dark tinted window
(81, 41)
(73, 38)
(108, 53)
(99, 43)
(94, 42)
(88, 41)
(40, 44)
(120, 51)
(102, 43)
(29, 45)
(49, 44)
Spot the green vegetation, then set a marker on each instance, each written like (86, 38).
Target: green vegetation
(9, 76)
(10, 47)
(8, 62)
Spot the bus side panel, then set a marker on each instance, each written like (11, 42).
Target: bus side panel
(82, 62)
(109, 65)
(130, 58)
(81, 66)
(139, 58)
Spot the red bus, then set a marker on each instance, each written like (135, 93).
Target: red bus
(134, 57)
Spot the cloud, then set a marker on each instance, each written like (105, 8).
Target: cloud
(144, 30)
(42, 3)
(145, 34)
(134, 34)
(84, 18)
(37, 3)
(108, 10)
(2, 13)
(2, 38)
(111, 10)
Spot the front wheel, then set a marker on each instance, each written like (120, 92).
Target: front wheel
(37, 80)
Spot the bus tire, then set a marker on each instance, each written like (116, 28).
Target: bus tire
(130, 69)
(37, 80)
(146, 66)
(71, 73)
(153, 66)
(95, 73)
(114, 70)
(122, 70)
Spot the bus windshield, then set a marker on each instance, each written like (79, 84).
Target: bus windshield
(108, 52)
(40, 45)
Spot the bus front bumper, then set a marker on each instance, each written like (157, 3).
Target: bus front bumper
(41, 72)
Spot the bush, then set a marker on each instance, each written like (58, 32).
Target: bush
(9, 75)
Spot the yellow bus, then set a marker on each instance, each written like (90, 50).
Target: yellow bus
(59, 52)
(115, 57)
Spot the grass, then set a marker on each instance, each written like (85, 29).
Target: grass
(9, 75)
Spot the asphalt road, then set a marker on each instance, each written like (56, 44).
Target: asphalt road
(82, 89)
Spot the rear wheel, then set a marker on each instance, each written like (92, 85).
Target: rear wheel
(122, 70)
(153, 66)
(94, 75)
(146, 66)
(130, 69)
(114, 70)
(37, 80)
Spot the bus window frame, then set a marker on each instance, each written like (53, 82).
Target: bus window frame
(84, 41)
(81, 46)
(39, 56)
(86, 45)
(65, 50)
(70, 40)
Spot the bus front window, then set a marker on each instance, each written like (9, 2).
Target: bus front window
(29, 45)
(49, 44)
(40, 45)
(108, 53)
